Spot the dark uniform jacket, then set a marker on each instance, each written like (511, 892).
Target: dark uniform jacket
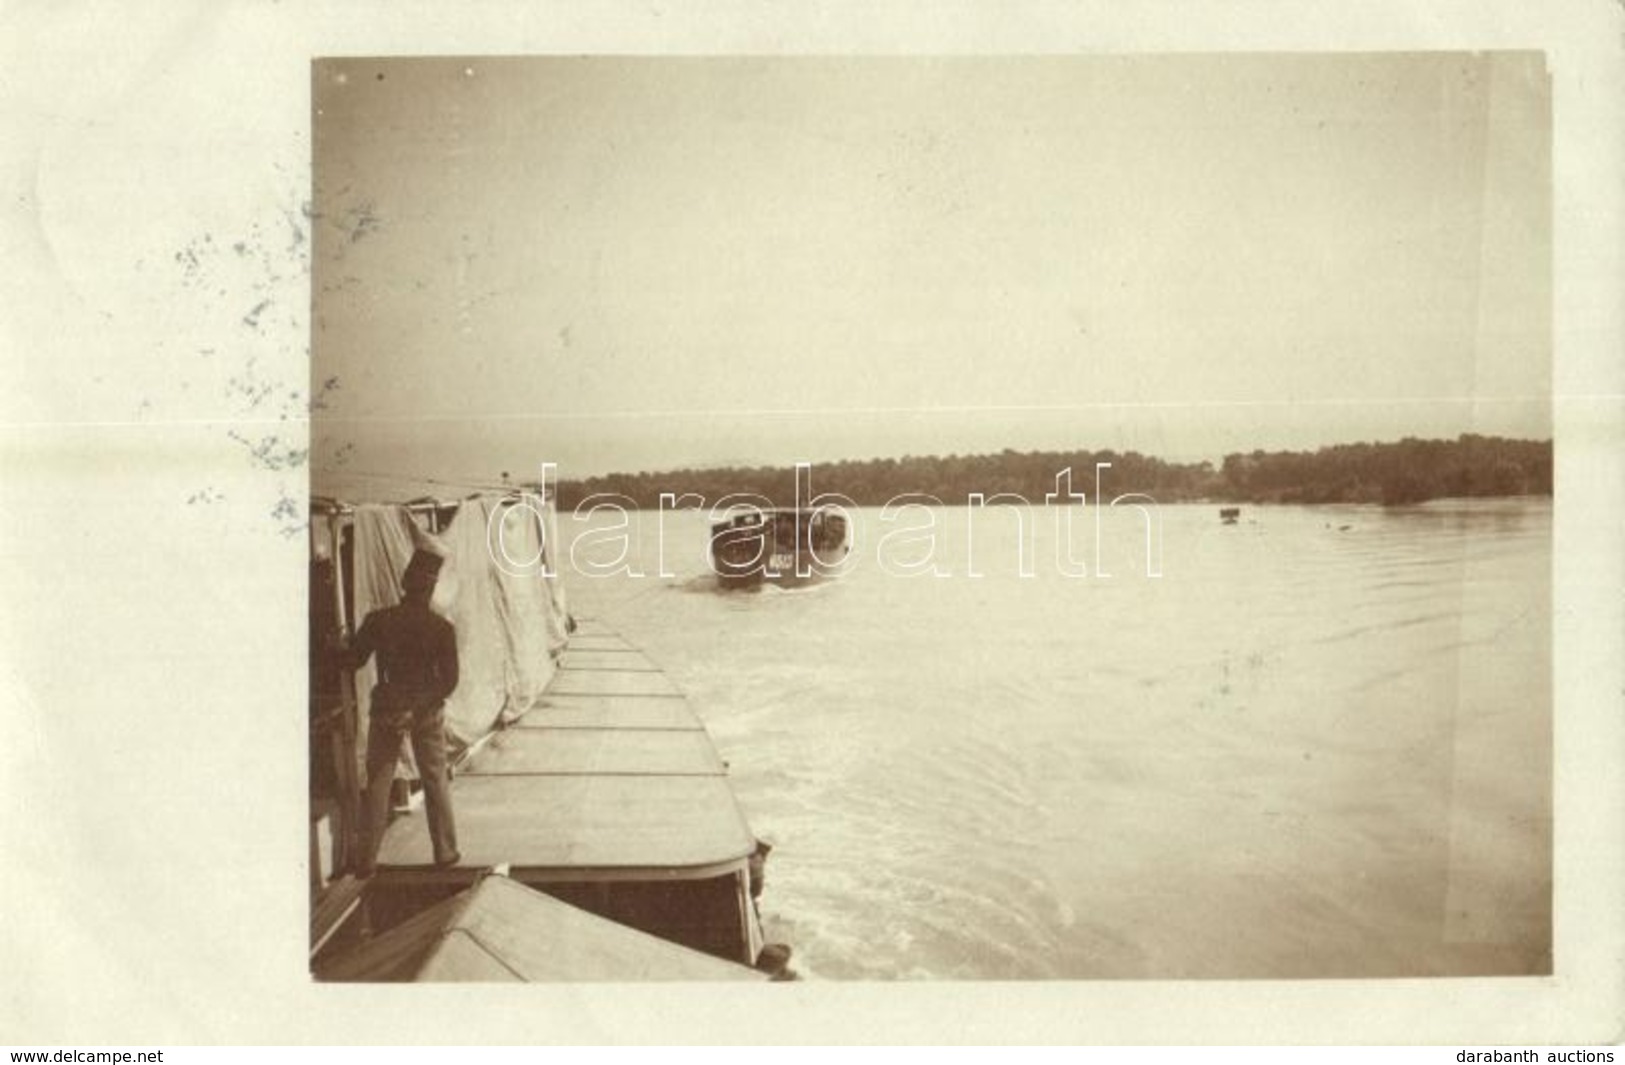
(417, 658)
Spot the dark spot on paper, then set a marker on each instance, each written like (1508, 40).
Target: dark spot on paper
(360, 221)
(254, 261)
(272, 452)
(289, 513)
(253, 392)
(297, 231)
(189, 261)
(318, 401)
(205, 497)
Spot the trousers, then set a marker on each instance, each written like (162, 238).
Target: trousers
(385, 734)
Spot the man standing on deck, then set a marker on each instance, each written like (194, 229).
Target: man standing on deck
(417, 670)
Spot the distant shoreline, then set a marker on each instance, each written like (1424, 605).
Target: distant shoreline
(1399, 473)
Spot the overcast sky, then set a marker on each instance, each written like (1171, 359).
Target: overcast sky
(620, 264)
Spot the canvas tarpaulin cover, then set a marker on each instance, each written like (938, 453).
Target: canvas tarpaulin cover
(509, 615)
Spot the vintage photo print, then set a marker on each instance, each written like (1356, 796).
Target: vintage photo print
(1087, 517)
(929, 523)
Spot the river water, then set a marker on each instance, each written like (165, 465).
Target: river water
(1318, 743)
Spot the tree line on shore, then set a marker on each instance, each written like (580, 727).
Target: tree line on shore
(1394, 474)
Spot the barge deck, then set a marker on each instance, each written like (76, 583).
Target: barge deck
(609, 795)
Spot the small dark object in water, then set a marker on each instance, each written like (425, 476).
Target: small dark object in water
(775, 961)
(758, 867)
(1229, 515)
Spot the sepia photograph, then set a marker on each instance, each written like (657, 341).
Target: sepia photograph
(926, 523)
(930, 518)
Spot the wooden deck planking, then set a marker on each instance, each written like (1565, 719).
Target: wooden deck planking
(609, 711)
(599, 643)
(631, 661)
(605, 751)
(611, 770)
(569, 822)
(610, 682)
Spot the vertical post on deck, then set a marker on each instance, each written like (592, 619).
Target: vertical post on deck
(344, 736)
(747, 927)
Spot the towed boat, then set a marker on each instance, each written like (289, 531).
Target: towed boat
(782, 546)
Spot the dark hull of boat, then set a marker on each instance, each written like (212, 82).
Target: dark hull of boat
(784, 574)
(748, 553)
